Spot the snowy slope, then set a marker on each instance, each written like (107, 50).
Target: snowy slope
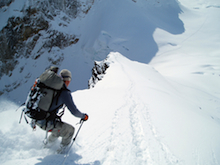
(137, 116)
(149, 120)
(167, 112)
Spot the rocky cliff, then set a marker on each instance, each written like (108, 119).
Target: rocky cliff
(33, 26)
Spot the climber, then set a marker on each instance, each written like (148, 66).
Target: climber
(57, 127)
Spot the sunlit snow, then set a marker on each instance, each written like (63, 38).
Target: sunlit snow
(161, 113)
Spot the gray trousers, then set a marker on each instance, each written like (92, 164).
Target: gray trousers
(63, 130)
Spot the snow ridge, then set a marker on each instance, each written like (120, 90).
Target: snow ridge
(144, 138)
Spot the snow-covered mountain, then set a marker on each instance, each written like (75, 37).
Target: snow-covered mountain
(37, 34)
(72, 34)
(164, 112)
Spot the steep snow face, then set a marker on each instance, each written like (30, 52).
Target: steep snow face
(150, 118)
(136, 116)
(194, 54)
(72, 34)
(128, 26)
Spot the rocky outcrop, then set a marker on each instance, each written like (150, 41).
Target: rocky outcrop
(19, 37)
(21, 34)
(98, 72)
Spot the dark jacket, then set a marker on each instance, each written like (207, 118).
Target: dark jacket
(65, 98)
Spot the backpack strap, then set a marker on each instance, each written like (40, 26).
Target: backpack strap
(53, 114)
(22, 114)
(54, 117)
(59, 92)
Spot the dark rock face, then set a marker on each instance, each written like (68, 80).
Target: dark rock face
(98, 72)
(31, 34)
(5, 3)
(19, 37)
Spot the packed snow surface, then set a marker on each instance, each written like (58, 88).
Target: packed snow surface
(162, 113)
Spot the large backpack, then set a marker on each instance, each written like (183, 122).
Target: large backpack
(42, 94)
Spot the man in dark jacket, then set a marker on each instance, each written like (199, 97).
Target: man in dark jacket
(57, 127)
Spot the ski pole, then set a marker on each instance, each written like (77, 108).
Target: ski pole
(72, 142)
(45, 139)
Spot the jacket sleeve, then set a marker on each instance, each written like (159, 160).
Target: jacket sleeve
(68, 101)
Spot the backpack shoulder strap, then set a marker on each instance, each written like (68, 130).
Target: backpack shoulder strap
(64, 88)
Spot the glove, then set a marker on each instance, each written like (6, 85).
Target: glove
(85, 118)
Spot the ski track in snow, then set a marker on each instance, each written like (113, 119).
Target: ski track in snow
(139, 141)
